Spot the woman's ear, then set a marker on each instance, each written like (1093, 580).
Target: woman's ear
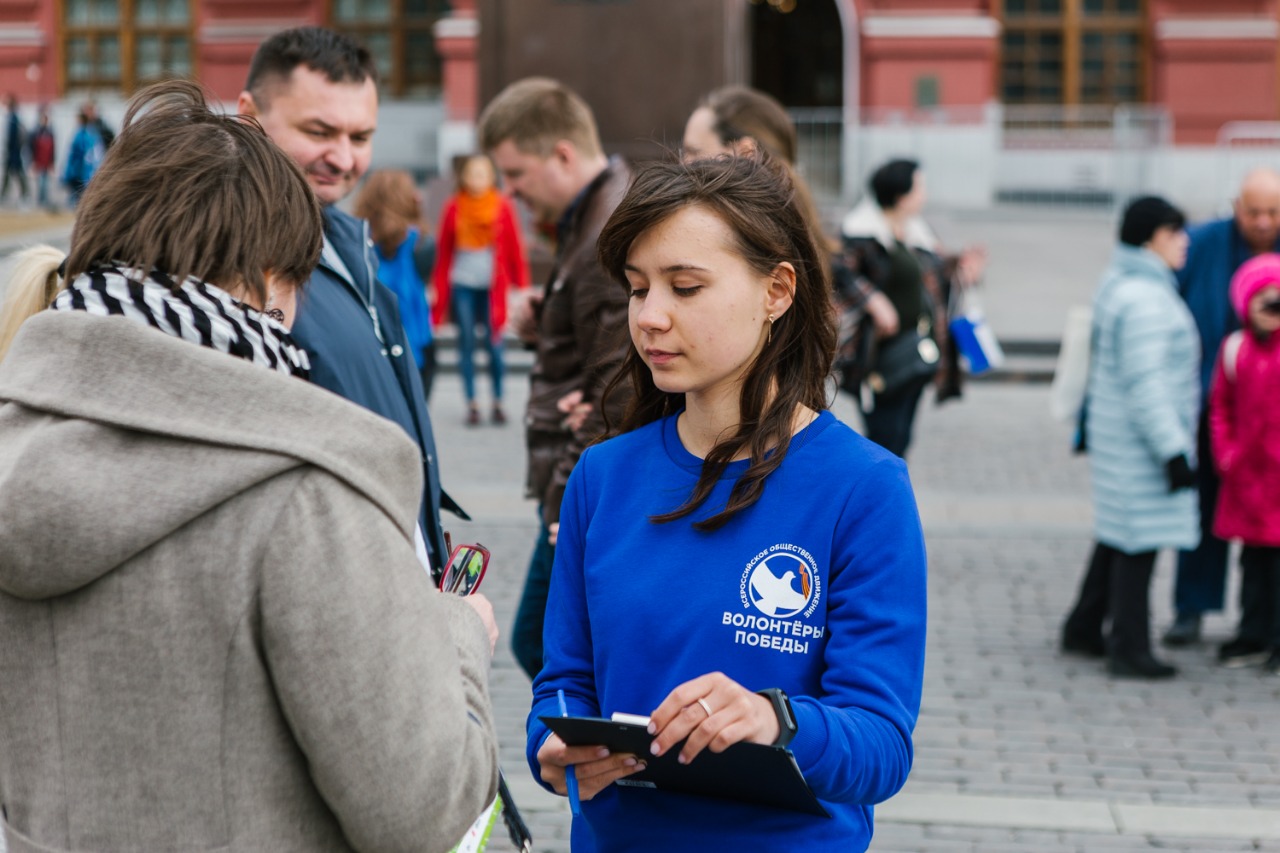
(781, 289)
(744, 147)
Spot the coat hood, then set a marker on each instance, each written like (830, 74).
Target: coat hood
(1253, 275)
(867, 220)
(114, 435)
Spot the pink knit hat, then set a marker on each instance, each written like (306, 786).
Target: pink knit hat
(1253, 275)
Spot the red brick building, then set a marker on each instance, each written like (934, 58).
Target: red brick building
(1205, 61)
(51, 49)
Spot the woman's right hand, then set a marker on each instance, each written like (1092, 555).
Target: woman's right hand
(883, 315)
(595, 767)
(971, 265)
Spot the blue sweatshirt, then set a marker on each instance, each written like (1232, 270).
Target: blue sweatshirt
(818, 588)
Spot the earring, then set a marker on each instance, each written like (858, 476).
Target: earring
(769, 335)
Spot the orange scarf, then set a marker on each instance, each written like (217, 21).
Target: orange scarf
(477, 218)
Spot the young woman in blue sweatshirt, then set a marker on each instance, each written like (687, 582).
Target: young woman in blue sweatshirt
(733, 537)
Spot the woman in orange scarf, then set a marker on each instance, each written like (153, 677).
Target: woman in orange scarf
(479, 255)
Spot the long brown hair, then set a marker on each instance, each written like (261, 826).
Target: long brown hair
(197, 193)
(755, 197)
(741, 112)
(389, 200)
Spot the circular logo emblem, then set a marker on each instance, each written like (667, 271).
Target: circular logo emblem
(781, 586)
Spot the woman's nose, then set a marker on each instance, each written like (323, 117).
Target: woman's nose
(653, 314)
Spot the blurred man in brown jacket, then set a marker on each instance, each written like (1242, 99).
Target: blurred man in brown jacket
(543, 138)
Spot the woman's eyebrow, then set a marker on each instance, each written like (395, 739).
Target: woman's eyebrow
(670, 269)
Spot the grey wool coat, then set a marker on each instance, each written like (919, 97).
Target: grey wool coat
(214, 633)
(1144, 404)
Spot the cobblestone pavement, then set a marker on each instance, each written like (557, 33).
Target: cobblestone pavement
(1017, 747)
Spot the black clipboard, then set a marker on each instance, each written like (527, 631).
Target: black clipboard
(746, 772)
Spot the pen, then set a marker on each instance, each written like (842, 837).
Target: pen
(570, 779)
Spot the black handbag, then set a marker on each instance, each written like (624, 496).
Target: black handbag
(855, 346)
(902, 360)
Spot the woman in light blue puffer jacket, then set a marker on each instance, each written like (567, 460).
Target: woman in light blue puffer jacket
(1143, 405)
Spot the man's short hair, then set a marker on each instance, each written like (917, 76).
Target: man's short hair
(340, 57)
(535, 114)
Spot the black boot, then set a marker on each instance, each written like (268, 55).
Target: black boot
(1185, 630)
(1082, 632)
(1142, 666)
(1089, 647)
(1130, 647)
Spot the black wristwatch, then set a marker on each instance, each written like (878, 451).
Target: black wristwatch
(786, 718)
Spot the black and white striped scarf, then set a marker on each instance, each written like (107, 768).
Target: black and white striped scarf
(194, 311)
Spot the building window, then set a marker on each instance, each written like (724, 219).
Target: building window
(398, 34)
(1072, 51)
(123, 44)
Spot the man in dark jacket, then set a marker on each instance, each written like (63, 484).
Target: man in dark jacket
(315, 93)
(543, 138)
(1217, 250)
(15, 149)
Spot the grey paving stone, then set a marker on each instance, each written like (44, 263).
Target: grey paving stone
(1003, 713)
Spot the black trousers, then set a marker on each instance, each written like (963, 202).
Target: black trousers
(1200, 583)
(1116, 586)
(11, 173)
(1260, 595)
(890, 421)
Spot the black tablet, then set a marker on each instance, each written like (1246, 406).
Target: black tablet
(746, 772)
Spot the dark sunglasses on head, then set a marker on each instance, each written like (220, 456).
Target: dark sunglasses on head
(1271, 306)
(465, 570)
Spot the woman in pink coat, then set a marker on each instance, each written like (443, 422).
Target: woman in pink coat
(1244, 420)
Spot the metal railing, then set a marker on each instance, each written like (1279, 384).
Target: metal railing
(1057, 126)
(820, 134)
(1097, 155)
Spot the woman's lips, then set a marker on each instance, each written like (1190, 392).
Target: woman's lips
(658, 356)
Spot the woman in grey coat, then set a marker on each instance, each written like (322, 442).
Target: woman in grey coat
(1143, 402)
(214, 632)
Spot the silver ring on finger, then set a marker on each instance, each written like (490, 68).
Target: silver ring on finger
(705, 706)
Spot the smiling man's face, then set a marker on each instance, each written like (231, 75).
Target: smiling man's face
(326, 127)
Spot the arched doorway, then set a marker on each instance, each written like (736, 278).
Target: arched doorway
(797, 51)
(797, 55)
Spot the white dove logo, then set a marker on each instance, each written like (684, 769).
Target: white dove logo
(777, 596)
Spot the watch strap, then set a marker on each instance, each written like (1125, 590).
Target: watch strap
(786, 717)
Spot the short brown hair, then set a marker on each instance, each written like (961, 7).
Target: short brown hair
(535, 114)
(755, 197)
(389, 201)
(340, 57)
(196, 193)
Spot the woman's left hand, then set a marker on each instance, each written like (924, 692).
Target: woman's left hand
(712, 711)
(972, 265)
